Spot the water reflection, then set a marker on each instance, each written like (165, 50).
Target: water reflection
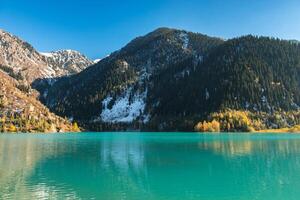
(19, 156)
(148, 166)
(236, 146)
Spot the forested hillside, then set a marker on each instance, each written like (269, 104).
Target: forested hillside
(126, 77)
(172, 79)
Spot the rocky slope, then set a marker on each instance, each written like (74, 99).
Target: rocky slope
(67, 62)
(23, 59)
(22, 112)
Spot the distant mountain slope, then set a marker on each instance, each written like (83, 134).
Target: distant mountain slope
(24, 60)
(67, 62)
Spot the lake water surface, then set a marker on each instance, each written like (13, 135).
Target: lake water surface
(148, 166)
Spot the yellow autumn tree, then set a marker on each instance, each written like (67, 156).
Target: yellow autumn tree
(213, 126)
(12, 128)
(75, 127)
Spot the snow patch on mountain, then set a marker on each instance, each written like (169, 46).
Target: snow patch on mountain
(126, 107)
(48, 72)
(46, 54)
(66, 62)
(97, 60)
(185, 40)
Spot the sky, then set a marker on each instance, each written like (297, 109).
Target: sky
(97, 28)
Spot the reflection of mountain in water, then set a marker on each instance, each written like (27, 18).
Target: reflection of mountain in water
(235, 146)
(100, 166)
(269, 166)
(124, 164)
(19, 156)
(123, 155)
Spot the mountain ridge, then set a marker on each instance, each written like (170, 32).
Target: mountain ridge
(24, 59)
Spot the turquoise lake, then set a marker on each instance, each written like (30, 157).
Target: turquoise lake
(148, 166)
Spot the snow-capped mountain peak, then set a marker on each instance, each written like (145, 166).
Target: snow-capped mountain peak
(67, 62)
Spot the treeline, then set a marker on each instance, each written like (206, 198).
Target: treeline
(246, 121)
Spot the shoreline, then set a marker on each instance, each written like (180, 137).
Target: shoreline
(267, 131)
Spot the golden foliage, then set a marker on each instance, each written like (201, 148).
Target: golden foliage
(12, 128)
(75, 127)
(246, 121)
(229, 120)
(213, 126)
(36, 124)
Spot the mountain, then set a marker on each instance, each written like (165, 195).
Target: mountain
(166, 80)
(171, 79)
(20, 58)
(116, 88)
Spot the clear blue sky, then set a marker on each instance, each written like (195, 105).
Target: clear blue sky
(97, 28)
